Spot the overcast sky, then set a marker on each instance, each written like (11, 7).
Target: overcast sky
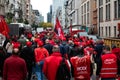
(43, 6)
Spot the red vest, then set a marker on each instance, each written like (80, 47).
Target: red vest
(109, 66)
(81, 67)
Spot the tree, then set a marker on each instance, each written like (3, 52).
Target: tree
(45, 25)
(26, 21)
(9, 17)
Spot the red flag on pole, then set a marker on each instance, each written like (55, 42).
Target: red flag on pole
(3, 27)
(58, 29)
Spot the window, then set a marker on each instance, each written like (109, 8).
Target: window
(114, 31)
(82, 19)
(88, 6)
(88, 18)
(118, 8)
(106, 30)
(108, 12)
(101, 14)
(109, 31)
(84, 8)
(73, 17)
(73, 4)
(115, 9)
(102, 31)
(107, 1)
(100, 2)
(85, 19)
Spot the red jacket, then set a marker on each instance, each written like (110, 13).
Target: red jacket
(81, 67)
(40, 54)
(51, 65)
(109, 66)
(14, 69)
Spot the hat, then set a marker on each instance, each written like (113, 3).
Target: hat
(40, 43)
(29, 44)
(16, 45)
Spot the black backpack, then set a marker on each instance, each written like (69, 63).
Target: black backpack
(63, 73)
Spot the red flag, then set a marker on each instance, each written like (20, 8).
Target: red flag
(3, 27)
(58, 29)
(70, 29)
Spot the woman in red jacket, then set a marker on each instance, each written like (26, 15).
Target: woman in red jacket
(40, 54)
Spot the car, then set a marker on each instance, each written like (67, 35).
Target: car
(83, 34)
(94, 37)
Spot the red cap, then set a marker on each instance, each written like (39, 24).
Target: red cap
(37, 40)
(16, 45)
(29, 44)
(40, 43)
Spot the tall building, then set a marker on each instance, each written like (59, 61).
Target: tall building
(24, 2)
(38, 17)
(15, 9)
(49, 15)
(58, 10)
(28, 5)
(2, 7)
(108, 17)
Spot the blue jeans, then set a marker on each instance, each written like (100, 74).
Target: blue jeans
(38, 70)
(108, 79)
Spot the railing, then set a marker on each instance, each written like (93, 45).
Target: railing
(111, 41)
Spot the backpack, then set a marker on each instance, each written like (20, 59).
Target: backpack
(63, 73)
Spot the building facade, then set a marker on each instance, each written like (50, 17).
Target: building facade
(2, 7)
(109, 17)
(86, 14)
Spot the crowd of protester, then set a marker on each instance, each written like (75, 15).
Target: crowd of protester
(23, 56)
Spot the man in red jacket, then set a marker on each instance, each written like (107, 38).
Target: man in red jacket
(52, 63)
(109, 67)
(81, 66)
(14, 67)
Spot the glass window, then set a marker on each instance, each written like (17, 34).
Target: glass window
(85, 19)
(84, 8)
(73, 4)
(109, 31)
(114, 31)
(73, 17)
(107, 1)
(115, 9)
(102, 31)
(100, 2)
(88, 6)
(108, 12)
(82, 19)
(118, 8)
(101, 14)
(88, 18)
(106, 30)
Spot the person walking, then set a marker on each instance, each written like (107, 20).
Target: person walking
(81, 66)
(48, 46)
(52, 63)
(14, 67)
(108, 66)
(27, 53)
(40, 54)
